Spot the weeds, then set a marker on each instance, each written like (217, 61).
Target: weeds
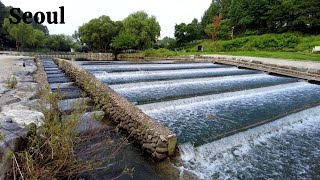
(11, 82)
(2, 136)
(57, 150)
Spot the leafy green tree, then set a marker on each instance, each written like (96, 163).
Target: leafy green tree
(37, 38)
(60, 42)
(98, 33)
(123, 41)
(5, 39)
(213, 10)
(22, 33)
(294, 15)
(143, 28)
(249, 14)
(166, 42)
(185, 33)
(224, 32)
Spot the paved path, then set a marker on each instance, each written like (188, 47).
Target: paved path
(276, 61)
(6, 65)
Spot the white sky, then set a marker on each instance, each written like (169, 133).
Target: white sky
(167, 12)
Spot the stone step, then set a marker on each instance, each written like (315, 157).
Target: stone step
(67, 106)
(71, 93)
(59, 80)
(54, 72)
(69, 85)
(56, 75)
(89, 122)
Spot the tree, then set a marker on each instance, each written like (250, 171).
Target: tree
(37, 38)
(216, 24)
(213, 10)
(5, 39)
(22, 33)
(185, 33)
(294, 15)
(144, 30)
(166, 42)
(223, 32)
(122, 42)
(264, 16)
(98, 33)
(60, 42)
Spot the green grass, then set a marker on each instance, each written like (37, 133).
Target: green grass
(266, 54)
(285, 46)
(282, 55)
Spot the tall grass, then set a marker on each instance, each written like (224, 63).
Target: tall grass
(287, 42)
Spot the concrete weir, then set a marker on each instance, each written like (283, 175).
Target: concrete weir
(154, 137)
(304, 70)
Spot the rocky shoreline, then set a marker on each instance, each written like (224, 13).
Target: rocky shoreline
(18, 108)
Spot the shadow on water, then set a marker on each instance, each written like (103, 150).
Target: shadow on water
(129, 156)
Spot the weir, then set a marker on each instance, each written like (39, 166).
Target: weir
(216, 110)
(144, 76)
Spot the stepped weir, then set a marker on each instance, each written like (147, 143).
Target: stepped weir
(228, 121)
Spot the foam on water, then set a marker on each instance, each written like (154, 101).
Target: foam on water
(173, 89)
(181, 103)
(208, 120)
(158, 84)
(149, 67)
(138, 76)
(285, 148)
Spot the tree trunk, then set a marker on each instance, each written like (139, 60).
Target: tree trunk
(18, 46)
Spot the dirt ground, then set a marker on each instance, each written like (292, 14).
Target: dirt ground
(6, 65)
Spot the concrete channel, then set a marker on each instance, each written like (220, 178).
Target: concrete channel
(72, 98)
(203, 107)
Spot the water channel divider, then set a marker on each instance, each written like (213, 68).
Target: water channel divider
(312, 75)
(308, 74)
(154, 137)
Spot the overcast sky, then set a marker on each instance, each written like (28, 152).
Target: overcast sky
(167, 12)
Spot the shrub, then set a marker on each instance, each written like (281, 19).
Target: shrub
(162, 52)
(56, 150)
(234, 44)
(274, 41)
(11, 82)
(268, 42)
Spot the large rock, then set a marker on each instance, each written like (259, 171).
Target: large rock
(26, 90)
(23, 113)
(24, 117)
(12, 140)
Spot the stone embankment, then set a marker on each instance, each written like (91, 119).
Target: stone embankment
(150, 134)
(301, 69)
(93, 56)
(18, 108)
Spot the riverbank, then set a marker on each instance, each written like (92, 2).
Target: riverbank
(164, 53)
(18, 107)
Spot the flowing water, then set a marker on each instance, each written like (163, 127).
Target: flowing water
(231, 123)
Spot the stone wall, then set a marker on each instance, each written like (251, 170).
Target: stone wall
(90, 56)
(285, 68)
(18, 108)
(150, 134)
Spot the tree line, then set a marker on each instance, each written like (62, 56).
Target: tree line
(253, 17)
(32, 36)
(138, 31)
